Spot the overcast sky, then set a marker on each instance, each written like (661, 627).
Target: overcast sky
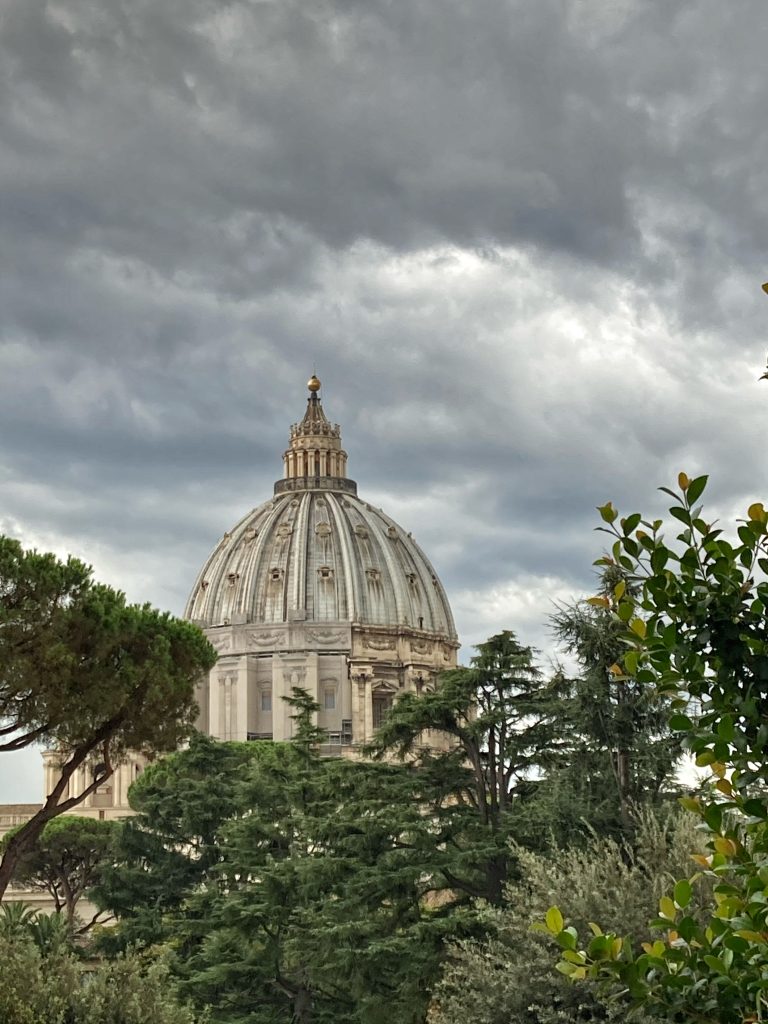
(521, 241)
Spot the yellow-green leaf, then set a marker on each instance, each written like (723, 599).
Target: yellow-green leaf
(638, 627)
(573, 957)
(554, 920)
(667, 908)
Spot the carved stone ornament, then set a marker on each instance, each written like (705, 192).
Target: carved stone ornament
(383, 686)
(325, 636)
(323, 530)
(221, 643)
(294, 676)
(264, 639)
(374, 643)
(420, 646)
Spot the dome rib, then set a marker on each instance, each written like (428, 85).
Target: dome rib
(328, 557)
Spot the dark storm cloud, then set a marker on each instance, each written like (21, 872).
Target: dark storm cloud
(521, 242)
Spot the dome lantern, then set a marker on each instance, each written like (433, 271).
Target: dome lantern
(314, 457)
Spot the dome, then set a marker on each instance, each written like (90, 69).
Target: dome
(320, 556)
(317, 590)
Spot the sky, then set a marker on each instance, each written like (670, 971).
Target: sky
(521, 242)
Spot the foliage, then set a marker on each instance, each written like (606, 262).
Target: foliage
(288, 884)
(502, 719)
(88, 674)
(67, 860)
(169, 846)
(695, 627)
(59, 989)
(507, 977)
(622, 752)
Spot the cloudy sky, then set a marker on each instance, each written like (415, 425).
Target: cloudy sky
(522, 242)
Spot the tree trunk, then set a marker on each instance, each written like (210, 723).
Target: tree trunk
(30, 832)
(496, 879)
(302, 1006)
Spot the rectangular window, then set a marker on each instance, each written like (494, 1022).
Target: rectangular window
(330, 700)
(266, 700)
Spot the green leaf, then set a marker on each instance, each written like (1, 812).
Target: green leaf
(630, 523)
(755, 808)
(705, 757)
(659, 559)
(554, 921)
(690, 803)
(726, 728)
(631, 661)
(715, 964)
(681, 513)
(680, 723)
(667, 908)
(696, 489)
(682, 893)
(607, 512)
(713, 815)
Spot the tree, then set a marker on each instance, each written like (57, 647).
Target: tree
(622, 753)
(503, 719)
(88, 674)
(290, 886)
(67, 860)
(697, 629)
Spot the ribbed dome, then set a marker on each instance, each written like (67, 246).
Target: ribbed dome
(321, 556)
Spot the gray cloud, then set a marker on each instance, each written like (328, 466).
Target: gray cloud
(522, 244)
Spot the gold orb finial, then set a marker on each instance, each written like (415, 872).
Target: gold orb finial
(313, 384)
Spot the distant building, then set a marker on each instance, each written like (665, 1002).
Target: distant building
(316, 589)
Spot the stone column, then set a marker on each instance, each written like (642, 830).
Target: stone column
(368, 710)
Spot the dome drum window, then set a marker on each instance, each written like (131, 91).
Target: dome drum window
(276, 575)
(325, 572)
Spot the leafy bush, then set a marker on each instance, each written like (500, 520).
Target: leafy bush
(59, 989)
(509, 977)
